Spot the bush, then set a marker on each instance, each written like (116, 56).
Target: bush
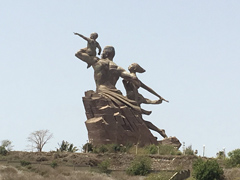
(110, 148)
(67, 147)
(5, 147)
(234, 158)
(221, 155)
(88, 147)
(152, 149)
(54, 164)
(168, 150)
(24, 163)
(3, 151)
(189, 150)
(103, 166)
(102, 149)
(140, 166)
(207, 170)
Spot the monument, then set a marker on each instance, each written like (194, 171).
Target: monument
(111, 116)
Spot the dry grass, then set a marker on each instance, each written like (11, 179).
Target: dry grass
(232, 174)
(46, 173)
(59, 173)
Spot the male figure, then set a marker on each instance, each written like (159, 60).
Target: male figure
(91, 45)
(106, 75)
(106, 72)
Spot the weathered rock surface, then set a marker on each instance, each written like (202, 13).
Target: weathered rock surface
(171, 141)
(108, 123)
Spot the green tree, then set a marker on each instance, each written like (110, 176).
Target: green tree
(207, 170)
(234, 158)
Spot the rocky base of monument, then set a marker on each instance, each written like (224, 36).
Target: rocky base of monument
(108, 123)
(173, 141)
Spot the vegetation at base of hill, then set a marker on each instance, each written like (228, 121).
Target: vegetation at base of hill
(58, 165)
(141, 165)
(45, 173)
(54, 164)
(159, 176)
(189, 150)
(6, 146)
(3, 151)
(234, 159)
(207, 169)
(161, 150)
(24, 163)
(132, 149)
(103, 167)
(106, 148)
(67, 147)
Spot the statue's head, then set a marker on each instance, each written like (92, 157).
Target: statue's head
(108, 52)
(94, 35)
(134, 67)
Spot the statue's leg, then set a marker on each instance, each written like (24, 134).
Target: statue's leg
(154, 128)
(79, 54)
(84, 57)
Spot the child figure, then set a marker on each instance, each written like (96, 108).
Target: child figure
(91, 45)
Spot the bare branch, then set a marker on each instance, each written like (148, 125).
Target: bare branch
(40, 138)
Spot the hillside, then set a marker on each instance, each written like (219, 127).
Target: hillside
(70, 164)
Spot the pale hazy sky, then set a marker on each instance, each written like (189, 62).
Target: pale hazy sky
(189, 48)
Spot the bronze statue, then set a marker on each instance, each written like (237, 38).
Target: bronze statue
(133, 94)
(132, 89)
(111, 116)
(91, 45)
(106, 75)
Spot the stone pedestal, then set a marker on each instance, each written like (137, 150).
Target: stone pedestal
(109, 123)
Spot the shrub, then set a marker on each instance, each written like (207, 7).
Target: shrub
(207, 170)
(24, 163)
(5, 147)
(54, 164)
(102, 149)
(189, 150)
(3, 151)
(88, 147)
(140, 166)
(168, 150)
(234, 158)
(67, 147)
(152, 149)
(221, 155)
(110, 148)
(103, 166)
